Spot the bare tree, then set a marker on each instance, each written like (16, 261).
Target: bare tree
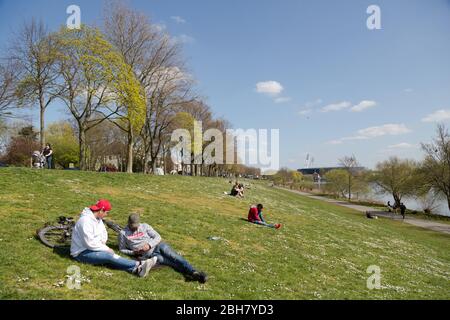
(350, 164)
(155, 61)
(107, 145)
(436, 166)
(169, 91)
(7, 90)
(202, 113)
(34, 52)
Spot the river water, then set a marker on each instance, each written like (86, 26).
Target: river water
(441, 206)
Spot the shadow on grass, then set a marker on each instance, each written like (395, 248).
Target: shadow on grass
(63, 251)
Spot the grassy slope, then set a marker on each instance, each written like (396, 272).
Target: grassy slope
(322, 251)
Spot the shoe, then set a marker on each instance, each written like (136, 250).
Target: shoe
(278, 226)
(200, 276)
(146, 266)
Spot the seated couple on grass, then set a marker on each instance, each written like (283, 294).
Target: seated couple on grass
(237, 190)
(255, 216)
(89, 239)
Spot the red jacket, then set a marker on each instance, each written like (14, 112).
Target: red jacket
(253, 214)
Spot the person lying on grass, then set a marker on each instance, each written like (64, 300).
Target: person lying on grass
(89, 239)
(255, 216)
(143, 242)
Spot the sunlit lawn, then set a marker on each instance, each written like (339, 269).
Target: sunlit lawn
(322, 251)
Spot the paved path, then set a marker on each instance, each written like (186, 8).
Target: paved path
(431, 225)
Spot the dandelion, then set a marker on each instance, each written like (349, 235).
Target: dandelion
(24, 279)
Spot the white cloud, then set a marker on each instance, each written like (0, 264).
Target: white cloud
(375, 132)
(408, 90)
(178, 19)
(282, 99)
(304, 112)
(387, 129)
(272, 88)
(403, 145)
(437, 116)
(363, 105)
(336, 106)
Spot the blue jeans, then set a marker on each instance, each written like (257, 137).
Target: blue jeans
(106, 258)
(263, 223)
(49, 162)
(167, 256)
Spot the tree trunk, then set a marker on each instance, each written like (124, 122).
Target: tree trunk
(397, 199)
(42, 119)
(146, 167)
(349, 188)
(164, 159)
(154, 166)
(130, 152)
(82, 146)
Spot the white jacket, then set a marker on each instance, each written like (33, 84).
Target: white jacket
(89, 233)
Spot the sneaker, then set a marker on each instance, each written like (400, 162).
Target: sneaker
(278, 226)
(146, 266)
(200, 276)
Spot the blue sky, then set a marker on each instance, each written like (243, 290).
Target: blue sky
(332, 86)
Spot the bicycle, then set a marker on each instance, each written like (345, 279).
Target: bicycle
(60, 235)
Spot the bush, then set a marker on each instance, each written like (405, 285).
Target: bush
(64, 143)
(19, 149)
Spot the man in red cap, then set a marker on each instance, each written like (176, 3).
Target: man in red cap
(89, 239)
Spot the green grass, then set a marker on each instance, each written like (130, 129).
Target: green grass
(322, 251)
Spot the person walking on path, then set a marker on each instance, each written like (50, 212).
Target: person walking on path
(402, 210)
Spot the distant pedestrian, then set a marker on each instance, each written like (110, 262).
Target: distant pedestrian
(48, 154)
(402, 210)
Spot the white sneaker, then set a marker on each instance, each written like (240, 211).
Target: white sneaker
(146, 266)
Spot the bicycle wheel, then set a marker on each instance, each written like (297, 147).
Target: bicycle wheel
(55, 236)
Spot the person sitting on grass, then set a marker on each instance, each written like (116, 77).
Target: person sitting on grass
(240, 190)
(234, 190)
(255, 216)
(88, 244)
(143, 242)
(369, 215)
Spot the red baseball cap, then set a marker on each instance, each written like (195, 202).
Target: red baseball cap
(101, 205)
